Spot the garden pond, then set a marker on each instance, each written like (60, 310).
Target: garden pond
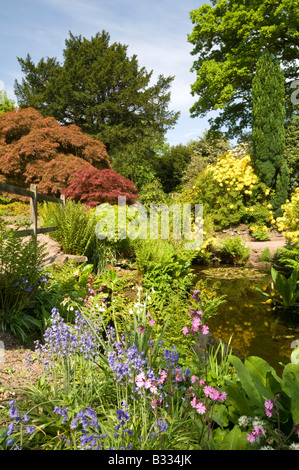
(256, 328)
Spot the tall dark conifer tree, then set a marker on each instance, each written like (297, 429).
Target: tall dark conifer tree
(268, 135)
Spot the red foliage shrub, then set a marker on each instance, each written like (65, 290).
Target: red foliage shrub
(93, 187)
(34, 149)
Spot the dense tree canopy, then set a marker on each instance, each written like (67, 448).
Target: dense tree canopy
(93, 187)
(101, 90)
(228, 38)
(34, 149)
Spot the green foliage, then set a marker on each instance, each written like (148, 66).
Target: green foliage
(259, 232)
(291, 153)
(266, 256)
(281, 190)
(204, 151)
(234, 251)
(5, 103)
(152, 193)
(287, 292)
(256, 381)
(287, 257)
(226, 50)
(20, 272)
(75, 226)
(101, 90)
(171, 166)
(268, 114)
(230, 192)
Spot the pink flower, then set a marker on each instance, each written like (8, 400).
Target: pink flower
(250, 437)
(151, 322)
(185, 330)
(193, 379)
(140, 328)
(153, 388)
(201, 382)
(255, 433)
(205, 330)
(140, 379)
(195, 324)
(193, 402)
(214, 394)
(269, 408)
(200, 407)
(163, 374)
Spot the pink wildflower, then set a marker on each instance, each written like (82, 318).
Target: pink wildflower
(269, 408)
(195, 324)
(185, 330)
(193, 379)
(151, 322)
(205, 330)
(250, 438)
(214, 394)
(163, 374)
(140, 379)
(200, 407)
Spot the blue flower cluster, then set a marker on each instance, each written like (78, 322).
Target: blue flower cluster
(64, 340)
(125, 362)
(17, 420)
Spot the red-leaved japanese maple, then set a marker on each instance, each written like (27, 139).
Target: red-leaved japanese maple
(92, 187)
(34, 149)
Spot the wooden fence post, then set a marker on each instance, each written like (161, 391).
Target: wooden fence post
(62, 197)
(33, 208)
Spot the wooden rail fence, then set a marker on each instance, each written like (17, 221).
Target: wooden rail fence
(34, 196)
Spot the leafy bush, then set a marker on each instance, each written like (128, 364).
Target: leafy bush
(231, 192)
(266, 255)
(34, 149)
(260, 233)
(287, 257)
(289, 222)
(75, 226)
(21, 263)
(234, 251)
(264, 403)
(92, 187)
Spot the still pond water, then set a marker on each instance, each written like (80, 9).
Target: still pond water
(256, 328)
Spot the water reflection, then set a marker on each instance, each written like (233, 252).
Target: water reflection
(255, 327)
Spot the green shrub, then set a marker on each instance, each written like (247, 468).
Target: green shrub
(75, 226)
(21, 263)
(266, 256)
(234, 251)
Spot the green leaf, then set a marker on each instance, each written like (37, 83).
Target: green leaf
(290, 378)
(234, 440)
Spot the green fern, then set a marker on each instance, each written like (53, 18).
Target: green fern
(75, 226)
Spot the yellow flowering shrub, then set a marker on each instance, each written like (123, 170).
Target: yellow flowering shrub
(289, 222)
(231, 192)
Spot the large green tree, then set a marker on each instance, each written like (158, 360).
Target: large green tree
(268, 133)
(101, 90)
(228, 37)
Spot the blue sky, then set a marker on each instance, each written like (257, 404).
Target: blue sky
(155, 30)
